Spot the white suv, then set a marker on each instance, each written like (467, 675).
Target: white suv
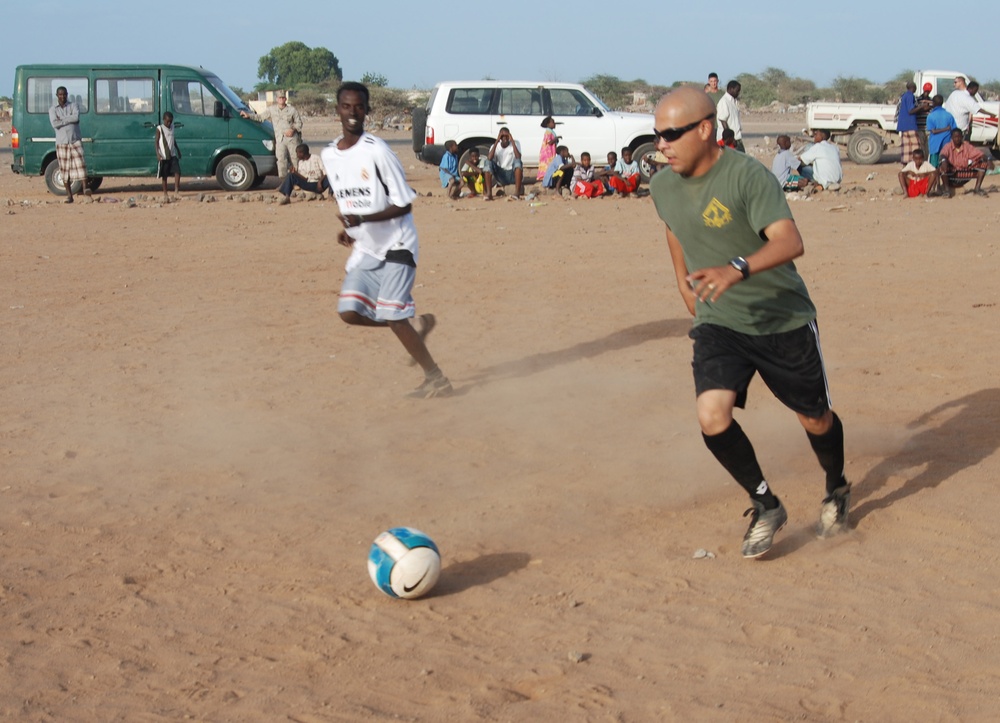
(471, 113)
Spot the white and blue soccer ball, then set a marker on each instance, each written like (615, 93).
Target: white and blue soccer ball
(404, 562)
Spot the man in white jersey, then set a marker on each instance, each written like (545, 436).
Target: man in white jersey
(375, 206)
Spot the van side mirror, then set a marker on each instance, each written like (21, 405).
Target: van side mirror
(220, 110)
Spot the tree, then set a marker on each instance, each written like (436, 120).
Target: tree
(375, 80)
(612, 90)
(754, 92)
(296, 63)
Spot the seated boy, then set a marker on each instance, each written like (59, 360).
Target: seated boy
(584, 184)
(625, 178)
(728, 139)
(559, 174)
(607, 173)
(310, 175)
(448, 170)
(472, 174)
(918, 177)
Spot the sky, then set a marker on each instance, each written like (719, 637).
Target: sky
(417, 44)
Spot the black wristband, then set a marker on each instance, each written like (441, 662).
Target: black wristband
(741, 265)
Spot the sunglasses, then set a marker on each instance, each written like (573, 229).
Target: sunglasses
(670, 135)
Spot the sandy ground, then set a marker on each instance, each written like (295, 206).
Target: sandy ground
(197, 455)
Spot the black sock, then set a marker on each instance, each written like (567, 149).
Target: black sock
(735, 452)
(829, 449)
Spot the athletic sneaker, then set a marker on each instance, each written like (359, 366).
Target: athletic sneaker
(763, 525)
(426, 322)
(437, 387)
(833, 512)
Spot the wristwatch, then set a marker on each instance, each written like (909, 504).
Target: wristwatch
(741, 265)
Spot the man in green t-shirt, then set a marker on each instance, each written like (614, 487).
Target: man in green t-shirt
(732, 240)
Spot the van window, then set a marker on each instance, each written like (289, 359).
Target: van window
(471, 101)
(192, 97)
(520, 101)
(568, 101)
(124, 95)
(42, 93)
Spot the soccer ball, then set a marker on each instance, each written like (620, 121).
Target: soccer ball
(404, 562)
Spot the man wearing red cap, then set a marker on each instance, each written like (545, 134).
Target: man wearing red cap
(924, 107)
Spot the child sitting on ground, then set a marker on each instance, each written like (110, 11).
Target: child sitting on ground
(605, 174)
(448, 170)
(559, 174)
(584, 185)
(472, 174)
(625, 178)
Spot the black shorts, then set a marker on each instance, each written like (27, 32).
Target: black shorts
(168, 168)
(790, 363)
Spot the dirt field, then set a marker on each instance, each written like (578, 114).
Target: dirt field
(197, 455)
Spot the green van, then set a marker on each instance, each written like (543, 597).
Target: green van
(120, 107)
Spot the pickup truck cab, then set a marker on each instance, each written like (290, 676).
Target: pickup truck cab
(471, 113)
(120, 107)
(867, 129)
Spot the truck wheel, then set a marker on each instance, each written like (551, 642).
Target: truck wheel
(865, 147)
(641, 156)
(235, 173)
(54, 180)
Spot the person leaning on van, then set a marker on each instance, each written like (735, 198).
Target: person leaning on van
(287, 131)
(64, 116)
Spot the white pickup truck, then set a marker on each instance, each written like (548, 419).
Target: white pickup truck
(867, 129)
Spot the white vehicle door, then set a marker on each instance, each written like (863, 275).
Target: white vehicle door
(520, 110)
(583, 125)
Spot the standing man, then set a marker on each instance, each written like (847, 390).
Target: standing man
(906, 123)
(375, 206)
(728, 114)
(962, 104)
(940, 123)
(732, 240)
(287, 125)
(65, 119)
(712, 88)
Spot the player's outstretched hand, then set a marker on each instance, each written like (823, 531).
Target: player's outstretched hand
(344, 240)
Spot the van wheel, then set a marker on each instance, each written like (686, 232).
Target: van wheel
(235, 173)
(54, 180)
(640, 155)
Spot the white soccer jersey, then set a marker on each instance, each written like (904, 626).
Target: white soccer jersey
(367, 178)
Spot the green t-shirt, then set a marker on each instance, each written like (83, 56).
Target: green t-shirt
(721, 215)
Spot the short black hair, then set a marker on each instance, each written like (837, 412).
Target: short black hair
(713, 75)
(354, 87)
(972, 87)
(302, 147)
(733, 85)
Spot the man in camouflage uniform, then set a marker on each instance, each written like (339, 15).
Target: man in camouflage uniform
(287, 131)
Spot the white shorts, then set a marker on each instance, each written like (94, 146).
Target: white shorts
(379, 290)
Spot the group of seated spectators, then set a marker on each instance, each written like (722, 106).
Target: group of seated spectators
(817, 168)
(559, 172)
